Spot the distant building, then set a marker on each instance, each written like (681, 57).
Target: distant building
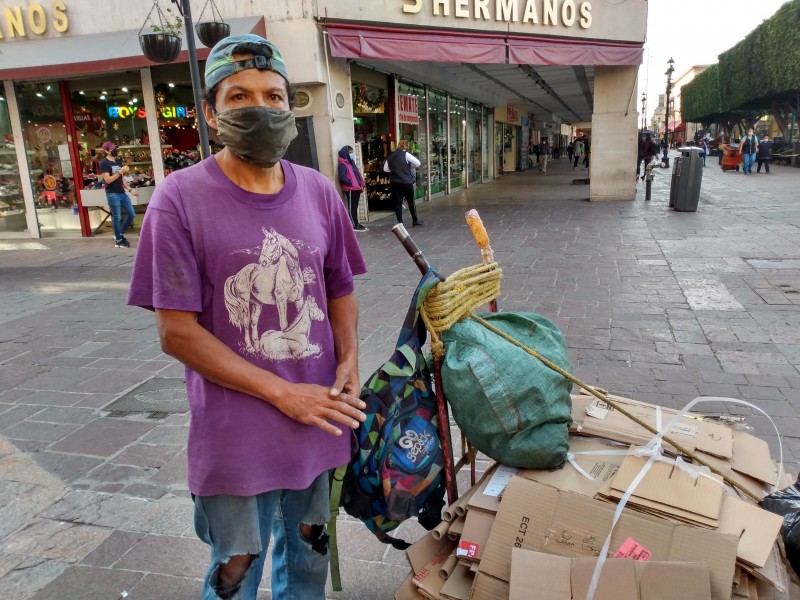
(686, 130)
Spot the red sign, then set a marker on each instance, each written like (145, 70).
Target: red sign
(408, 109)
(511, 113)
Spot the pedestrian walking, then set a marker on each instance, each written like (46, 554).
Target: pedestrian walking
(764, 154)
(248, 261)
(352, 183)
(748, 147)
(400, 164)
(703, 144)
(545, 152)
(113, 172)
(570, 151)
(578, 153)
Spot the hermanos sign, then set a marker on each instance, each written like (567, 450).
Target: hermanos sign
(567, 13)
(18, 22)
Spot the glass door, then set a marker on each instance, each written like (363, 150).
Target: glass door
(12, 204)
(458, 125)
(473, 143)
(49, 159)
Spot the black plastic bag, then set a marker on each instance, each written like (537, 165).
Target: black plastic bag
(786, 503)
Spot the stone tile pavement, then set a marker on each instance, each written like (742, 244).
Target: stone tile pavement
(659, 305)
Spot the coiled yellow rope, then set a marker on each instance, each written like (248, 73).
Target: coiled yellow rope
(457, 297)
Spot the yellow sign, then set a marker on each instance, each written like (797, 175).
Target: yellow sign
(18, 22)
(533, 12)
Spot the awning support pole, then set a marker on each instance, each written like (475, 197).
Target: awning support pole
(194, 69)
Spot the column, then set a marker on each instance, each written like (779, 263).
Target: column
(612, 166)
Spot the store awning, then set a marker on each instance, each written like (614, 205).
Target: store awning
(413, 45)
(418, 45)
(71, 56)
(675, 127)
(525, 51)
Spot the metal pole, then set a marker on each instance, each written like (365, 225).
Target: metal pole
(197, 84)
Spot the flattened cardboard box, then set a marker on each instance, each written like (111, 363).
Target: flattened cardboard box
(459, 585)
(600, 467)
(407, 590)
(487, 587)
(559, 578)
(594, 417)
(428, 581)
(539, 517)
(477, 527)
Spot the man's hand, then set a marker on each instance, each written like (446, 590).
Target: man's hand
(124, 169)
(316, 405)
(134, 192)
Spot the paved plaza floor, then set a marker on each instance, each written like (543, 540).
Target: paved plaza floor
(657, 305)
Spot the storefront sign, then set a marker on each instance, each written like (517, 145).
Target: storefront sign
(165, 112)
(511, 113)
(18, 21)
(43, 135)
(565, 13)
(408, 109)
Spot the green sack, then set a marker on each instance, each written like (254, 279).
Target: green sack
(509, 405)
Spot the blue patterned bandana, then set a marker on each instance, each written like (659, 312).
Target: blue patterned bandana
(220, 63)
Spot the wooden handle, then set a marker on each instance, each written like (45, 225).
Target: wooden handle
(481, 236)
(411, 247)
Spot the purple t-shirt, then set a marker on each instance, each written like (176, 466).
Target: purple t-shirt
(258, 269)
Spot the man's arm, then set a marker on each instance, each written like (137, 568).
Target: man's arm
(185, 339)
(343, 313)
(108, 177)
(413, 160)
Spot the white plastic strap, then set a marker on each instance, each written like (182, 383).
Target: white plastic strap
(653, 451)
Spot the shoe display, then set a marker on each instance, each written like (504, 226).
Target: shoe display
(122, 243)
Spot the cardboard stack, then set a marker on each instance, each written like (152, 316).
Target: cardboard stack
(526, 533)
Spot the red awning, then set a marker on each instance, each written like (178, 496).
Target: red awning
(388, 43)
(418, 45)
(524, 51)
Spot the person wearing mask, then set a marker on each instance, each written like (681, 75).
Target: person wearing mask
(763, 156)
(352, 183)
(113, 172)
(399, 165)
(248, 261)
(748, 147)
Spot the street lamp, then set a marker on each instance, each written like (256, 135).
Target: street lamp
(644, 111)
(669, 72)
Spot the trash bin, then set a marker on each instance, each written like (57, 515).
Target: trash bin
(687, 175)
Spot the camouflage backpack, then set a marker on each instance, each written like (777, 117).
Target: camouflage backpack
(396, 469)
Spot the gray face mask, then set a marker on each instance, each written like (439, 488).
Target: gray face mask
(257, 134)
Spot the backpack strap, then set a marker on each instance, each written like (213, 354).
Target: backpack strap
(335, 500)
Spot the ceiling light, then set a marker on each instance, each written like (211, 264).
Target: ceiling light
(40, 94)
(135, 100)
(124, 89)
(103, 97)
(82, 93)
(49, 87)
(130, 102)
(171, 85)
(104, 93)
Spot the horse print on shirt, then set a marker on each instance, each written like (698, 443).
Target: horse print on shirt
(275, 279)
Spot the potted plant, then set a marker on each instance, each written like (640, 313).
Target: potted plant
(163, 43)
(210, 32)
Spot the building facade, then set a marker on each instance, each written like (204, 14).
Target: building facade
(473, 85)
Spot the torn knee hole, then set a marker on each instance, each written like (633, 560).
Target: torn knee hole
(230, 574)
(316, 536)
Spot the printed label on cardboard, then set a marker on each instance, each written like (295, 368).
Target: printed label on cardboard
(631, 549)
(499, 480)
(570, 540)
(597, 412)
(467, 549)
(684, 429)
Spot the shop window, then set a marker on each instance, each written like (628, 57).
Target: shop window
(172, 87)
(438, 155)
(411, 121)
(371, 128)
(46, 146)
(12, 204)
(458, 125)
(474, 154)
(487, 121)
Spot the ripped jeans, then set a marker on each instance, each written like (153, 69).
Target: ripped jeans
(237, 525)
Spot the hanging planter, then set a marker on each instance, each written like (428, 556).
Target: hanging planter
(163, 43)
(211, 32)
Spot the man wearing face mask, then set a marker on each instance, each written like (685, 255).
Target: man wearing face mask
(248, 261)
(113, 171)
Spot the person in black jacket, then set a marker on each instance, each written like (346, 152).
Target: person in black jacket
(400, 165)
(763, 156)
(352, 183)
